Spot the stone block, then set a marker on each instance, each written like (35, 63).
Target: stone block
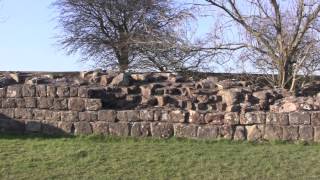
(107, 115)
(63, 91)
(277, 119)
(147, 115)
(33, 126)
(119, 129)
(305, 133)
(196, 117)
(20, 102)
(133, 115)
(30, 102)
(254, 132)
(315, 118)
(122, 116)
(177, 116)
(76, 104)
(39, 114)
(53, 115)
(11, 126)
(28, 91)
(82, 128)
(140, 129)
(226, 131)
(51, 128)
(317, 134)
(299, 118)
(100, 127)
(51, 91)
(22, 113)
(83, 92)
(88, 116)
(185, 130)
(66, 127)
(253, 118)
(69, 116)
(60, 104)
(214, 118)
(44, 102)
(3, 92)
(9, 103)
(8, 113)
(290, 133)
(73, 91)
(162, 130)
(239, 133)
(231, 118)
(208, 132)
(93, 104)
(273, 132)
(41, 90)
(14, 91)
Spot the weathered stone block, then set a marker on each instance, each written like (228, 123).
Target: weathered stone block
(9, 103)
(273, 132)
(317, 134)
(185, 131)
(51, 128)
(69, 116)
(239, 133)
(73, 91)
(11, 126)
(122, 79)
(41, 90)
(290, 133)
(119, 129)
(226, 131)
(63, 91)
(133, 115)
(28, 91)
(76, 104)
(100, 127)
(88, 116)
(162, 130)
(51, 91)
(20, 103)
(39, 114)
(214, 118)
(30, 102)
(122, 116)
(253, 118)
(83, 128)
(315, 118)
(140, 129)
(277, 119)
(83, 92)
(299, 118)
(14, 91)
(93, 104)
(45, 102)
(231, 118)
(60, 104)
(254, 132)
(107, 115)
(22, 113)
(33, 126)
(66, 127)
(53, 115)
(3, 92)
(177, 116)
(305, 133)
(208, 132)
(147, 115)
(196, 117)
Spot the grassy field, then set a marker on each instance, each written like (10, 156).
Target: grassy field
(95, 157)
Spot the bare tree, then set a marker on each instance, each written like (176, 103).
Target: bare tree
(113, 32)
(281, 37)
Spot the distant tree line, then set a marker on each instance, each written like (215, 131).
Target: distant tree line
(281, 39)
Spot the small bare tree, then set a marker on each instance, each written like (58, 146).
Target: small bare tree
(281, 37)
(117, 33)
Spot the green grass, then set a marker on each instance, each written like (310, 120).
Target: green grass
(96, 157)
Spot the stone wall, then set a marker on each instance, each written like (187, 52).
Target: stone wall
(148, 109)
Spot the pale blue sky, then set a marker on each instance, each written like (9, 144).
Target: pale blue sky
(27, 42)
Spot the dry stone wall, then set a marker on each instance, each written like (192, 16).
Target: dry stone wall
(164, 107)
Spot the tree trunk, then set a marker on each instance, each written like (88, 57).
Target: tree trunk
(123, 52)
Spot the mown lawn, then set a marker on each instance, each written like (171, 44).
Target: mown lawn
(95, 157)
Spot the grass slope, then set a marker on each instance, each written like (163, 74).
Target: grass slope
(97, 157)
